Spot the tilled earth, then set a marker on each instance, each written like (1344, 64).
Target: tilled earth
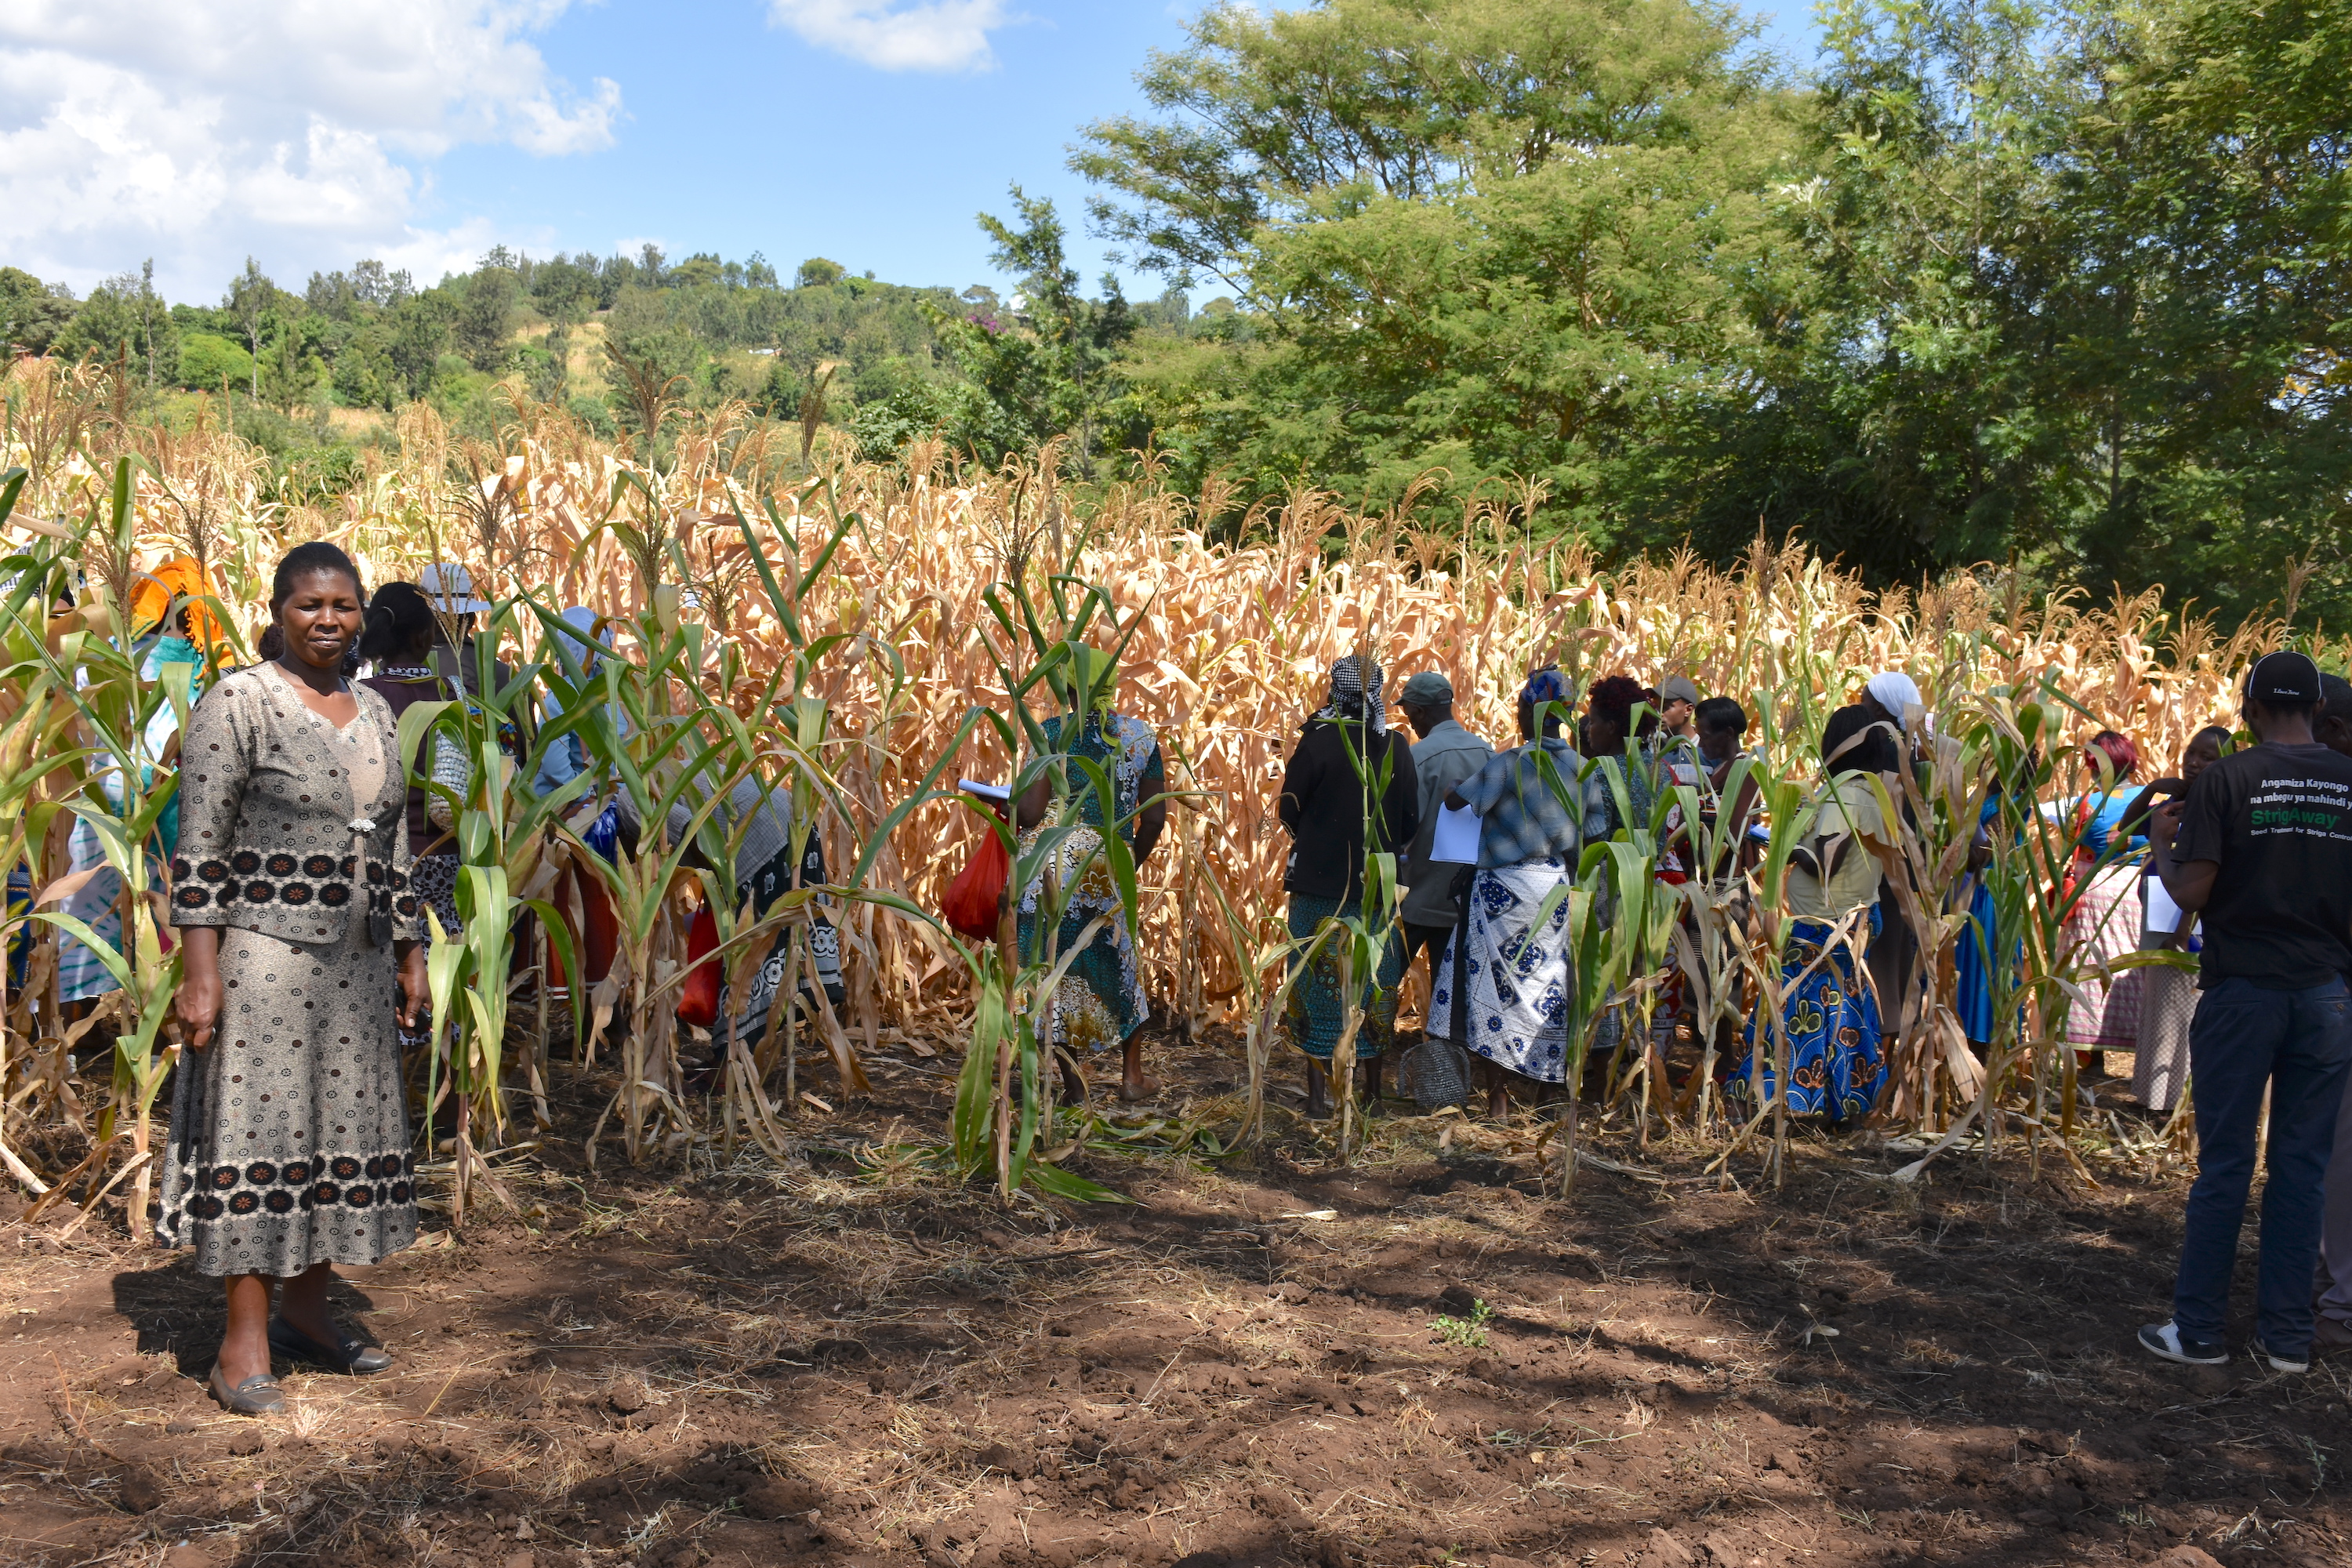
(1428, 1357)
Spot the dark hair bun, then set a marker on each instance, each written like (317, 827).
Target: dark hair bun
(398, 618)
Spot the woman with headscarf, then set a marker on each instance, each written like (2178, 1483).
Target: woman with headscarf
(1827, 1013)
(1348, 791)
(1892, 697)
(1101, 1002)
(2103, 920)
(1501, 991)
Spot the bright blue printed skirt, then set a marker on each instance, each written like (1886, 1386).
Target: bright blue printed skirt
(1972, 994)
(1315, 1016)
(1836, 1066)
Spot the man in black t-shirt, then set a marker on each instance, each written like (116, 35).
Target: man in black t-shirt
(2263, 849)
(2332, 725)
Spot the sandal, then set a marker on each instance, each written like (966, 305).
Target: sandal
(256, 1395)
(348, 1353)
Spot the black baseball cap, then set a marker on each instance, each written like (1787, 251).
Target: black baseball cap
(2284, 678)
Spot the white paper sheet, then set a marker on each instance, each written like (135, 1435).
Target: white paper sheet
(2163, 914)
(1455, 842)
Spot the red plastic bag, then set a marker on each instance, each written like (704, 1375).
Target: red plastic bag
(970, 901)
(697, 999)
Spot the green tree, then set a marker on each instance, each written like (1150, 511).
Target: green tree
(208, 361)
(125, 321)
(1047, 371)
(32, 313)
(2218, 181)
(486, 316)
(251, 300)
(1505, 239)
(1270, 115)
(364, 373)
(294, 364)
(420, 335)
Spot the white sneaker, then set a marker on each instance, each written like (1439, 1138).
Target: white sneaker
(2164, 1339)
(2279, 1362)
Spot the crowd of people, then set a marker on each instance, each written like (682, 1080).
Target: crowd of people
(306, 875)
(2242, 856)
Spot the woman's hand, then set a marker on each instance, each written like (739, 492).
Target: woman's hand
(416, 988)
(198, 1002)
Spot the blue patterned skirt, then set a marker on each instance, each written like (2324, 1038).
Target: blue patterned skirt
(1836, 1066)
(1518, 972)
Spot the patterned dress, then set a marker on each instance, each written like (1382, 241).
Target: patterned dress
(1504, 979)
(1107, 1003)
(288, 1144)
(1513, 998)
(1829, 1013)
(1836, 1062)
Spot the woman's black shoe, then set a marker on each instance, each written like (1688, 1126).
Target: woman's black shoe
(258, 1395)
(346, 1354)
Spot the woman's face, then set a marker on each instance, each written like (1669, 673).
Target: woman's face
(2202, 752)
(320, 619)
(1604, 733)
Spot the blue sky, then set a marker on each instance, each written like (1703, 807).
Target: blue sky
(742, 136)
(200, 132)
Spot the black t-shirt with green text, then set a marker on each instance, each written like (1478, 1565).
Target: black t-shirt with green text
(2278, 819)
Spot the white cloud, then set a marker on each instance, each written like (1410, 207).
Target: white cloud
(943, 35)
(300, 132)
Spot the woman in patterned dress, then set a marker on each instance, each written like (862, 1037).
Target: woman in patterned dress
(1501, 990)
(1828, 1011)
(289, 1150)
(1102, 1001)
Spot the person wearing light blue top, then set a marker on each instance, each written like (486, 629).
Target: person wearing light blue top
(1501, 991)
(82, 975)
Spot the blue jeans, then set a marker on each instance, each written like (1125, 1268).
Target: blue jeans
(2299, 1044)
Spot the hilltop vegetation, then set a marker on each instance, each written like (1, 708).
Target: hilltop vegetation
(2058, 284)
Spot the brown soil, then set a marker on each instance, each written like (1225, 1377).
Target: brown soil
(838, 1362)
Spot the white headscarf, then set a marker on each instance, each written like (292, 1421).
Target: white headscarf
(1897, 693)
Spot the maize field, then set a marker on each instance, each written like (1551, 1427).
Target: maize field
(859, 636)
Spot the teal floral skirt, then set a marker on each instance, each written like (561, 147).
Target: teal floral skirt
(1101, 1000)
(1315, 1015)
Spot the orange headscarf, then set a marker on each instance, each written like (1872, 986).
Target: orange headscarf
(179, 577)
